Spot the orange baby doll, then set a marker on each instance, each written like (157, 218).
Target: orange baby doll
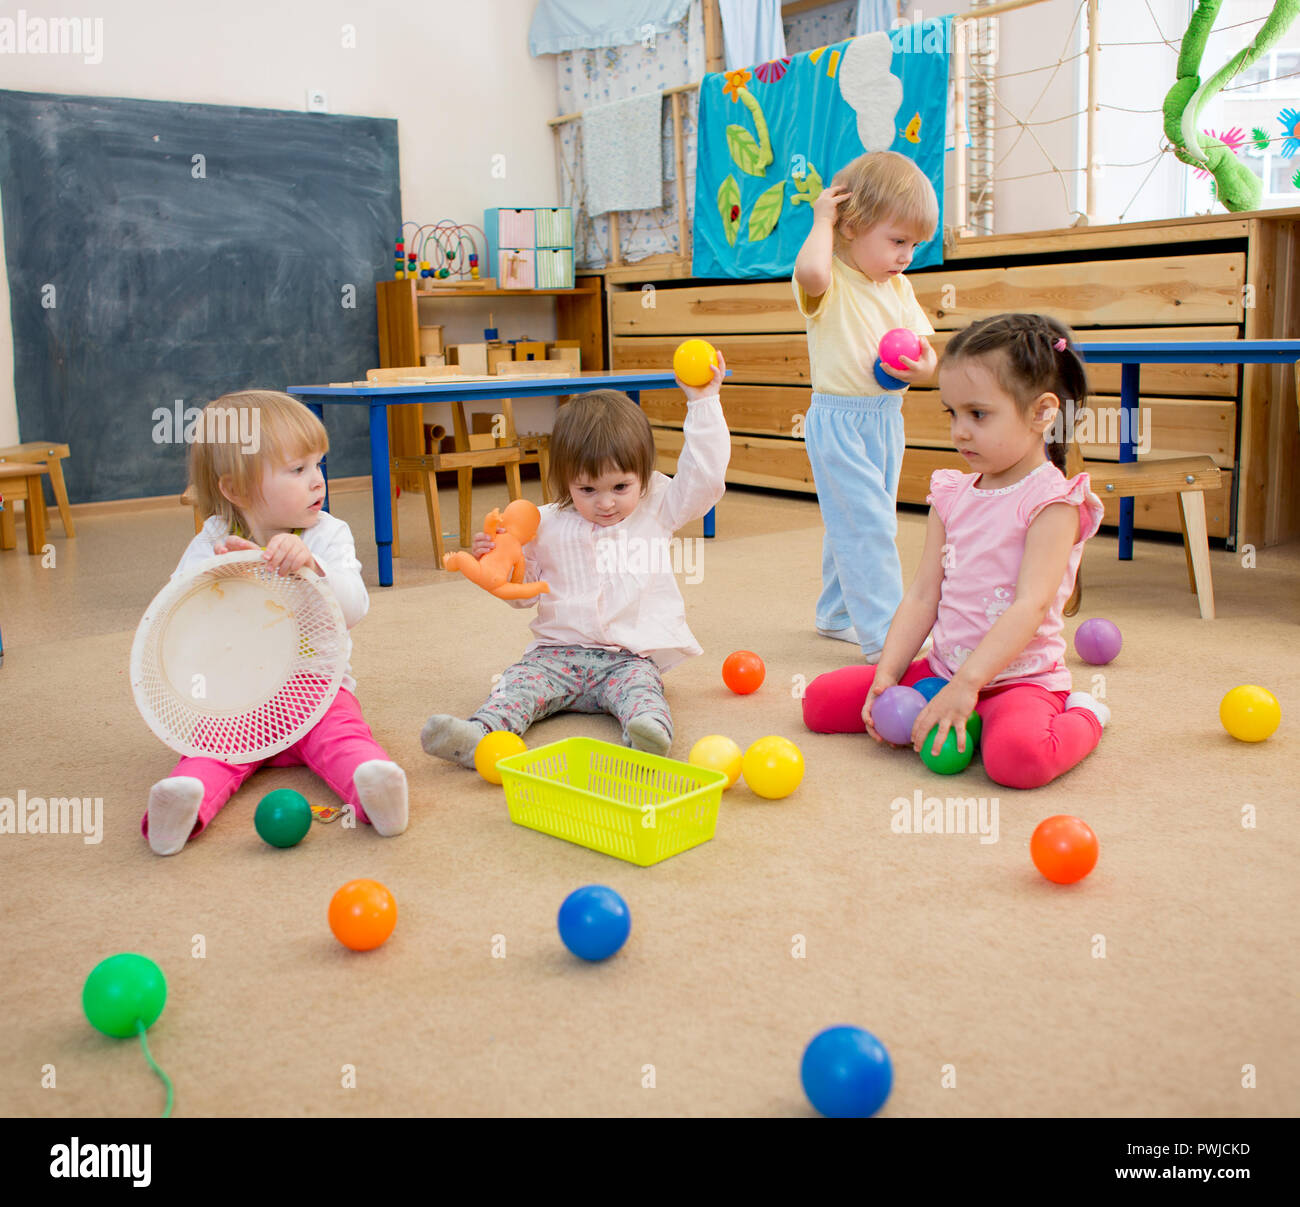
(501, 569)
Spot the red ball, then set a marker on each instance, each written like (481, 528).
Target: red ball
(1064, 849)
(743, 672)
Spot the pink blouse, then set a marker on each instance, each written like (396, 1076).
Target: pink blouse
(984, 545)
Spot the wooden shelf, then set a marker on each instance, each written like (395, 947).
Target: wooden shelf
(467, 292)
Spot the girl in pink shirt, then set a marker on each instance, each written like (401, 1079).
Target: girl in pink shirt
(1001, 560)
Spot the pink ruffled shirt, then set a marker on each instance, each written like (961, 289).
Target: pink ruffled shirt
(985, 534)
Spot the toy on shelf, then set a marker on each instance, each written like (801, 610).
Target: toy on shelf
(441, 253)
(500, 570)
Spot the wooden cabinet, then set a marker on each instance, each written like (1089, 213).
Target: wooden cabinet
(407, 317)
(1224, 277)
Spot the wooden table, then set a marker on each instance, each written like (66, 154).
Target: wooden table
(379, 398)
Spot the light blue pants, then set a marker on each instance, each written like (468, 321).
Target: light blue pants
(855, 446)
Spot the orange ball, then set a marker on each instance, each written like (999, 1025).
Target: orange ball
(1064, 849)
(362, 914)
(743, 672)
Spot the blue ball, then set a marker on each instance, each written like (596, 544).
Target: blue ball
(930, 687)
(846, 1073)
(594, 922)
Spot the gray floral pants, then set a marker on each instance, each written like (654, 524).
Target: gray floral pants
(576, 678)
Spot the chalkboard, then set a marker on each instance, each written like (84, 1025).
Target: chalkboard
(163, 251)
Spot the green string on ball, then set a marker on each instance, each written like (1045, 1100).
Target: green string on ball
(123, 996)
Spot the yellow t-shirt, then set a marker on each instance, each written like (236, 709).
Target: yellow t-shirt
(845, 325)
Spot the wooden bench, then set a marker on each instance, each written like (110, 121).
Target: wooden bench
(50, 455)
(1189, 477)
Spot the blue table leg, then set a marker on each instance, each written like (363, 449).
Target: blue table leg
(1128, 391)
(318, 410)
(381, 488)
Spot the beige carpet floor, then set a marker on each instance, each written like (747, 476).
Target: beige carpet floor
(1163, 984)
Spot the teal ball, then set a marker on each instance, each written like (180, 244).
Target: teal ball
(283, 817)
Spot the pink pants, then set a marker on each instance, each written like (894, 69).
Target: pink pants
(333, 748)
(1029, 736)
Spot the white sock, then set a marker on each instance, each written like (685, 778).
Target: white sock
(173, 810)
(850, 634)
(451, 738)
(382, 788)
(1087, 700)
(648, 734)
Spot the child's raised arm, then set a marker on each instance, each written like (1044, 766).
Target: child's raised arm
(1048, 543)
(812, 266)
(701, 477)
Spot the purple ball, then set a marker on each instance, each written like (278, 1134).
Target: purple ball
(895, 712)
(1097, 641)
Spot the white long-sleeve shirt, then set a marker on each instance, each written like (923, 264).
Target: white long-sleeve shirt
(330, 542)
(613, 587)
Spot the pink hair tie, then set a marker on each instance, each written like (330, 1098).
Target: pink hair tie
(1060, 344)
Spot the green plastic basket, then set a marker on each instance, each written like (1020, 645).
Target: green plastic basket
(635, 806)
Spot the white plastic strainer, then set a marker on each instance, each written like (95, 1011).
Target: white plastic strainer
(234, 662)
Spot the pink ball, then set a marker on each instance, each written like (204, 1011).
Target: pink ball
(1097, 641)
(895, 712)
(897, 343)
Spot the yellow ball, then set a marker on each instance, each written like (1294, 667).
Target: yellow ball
(1250, 713)
(493, 746)
(717, 754)
(773, 767)
(694, 362)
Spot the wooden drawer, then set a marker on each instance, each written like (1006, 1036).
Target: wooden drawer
(724, 309)
(755, 460)
(1162, 289)
(1178, 425)
(754, 410)
(783, 465)
(1209, 381)
(1158, 513)
(753, 359)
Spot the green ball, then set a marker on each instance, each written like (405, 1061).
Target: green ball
(950, 760)
(283, 817)
(121, 990)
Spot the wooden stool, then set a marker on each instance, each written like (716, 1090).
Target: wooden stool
(535, 449)
(22, 480)
(52, 455)
(1190, 477)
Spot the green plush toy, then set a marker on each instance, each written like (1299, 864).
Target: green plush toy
(1235, 184)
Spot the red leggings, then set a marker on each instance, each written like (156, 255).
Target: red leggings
(1029, 736)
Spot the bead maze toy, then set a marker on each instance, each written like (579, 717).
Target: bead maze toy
(441, 253)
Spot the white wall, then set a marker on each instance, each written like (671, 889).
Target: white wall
(457, 76)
